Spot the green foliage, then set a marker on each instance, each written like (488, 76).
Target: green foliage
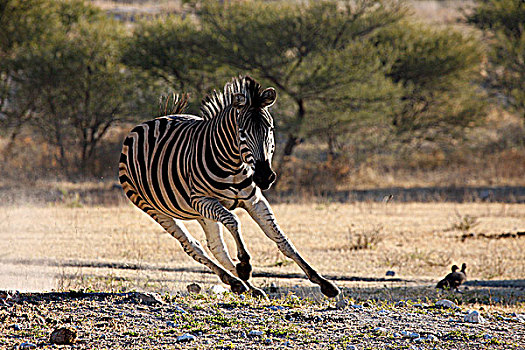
(317, 54)
(68, 76)
(175, 51)
(437, 69)
(505, 21)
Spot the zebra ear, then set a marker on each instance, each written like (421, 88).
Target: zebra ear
(239, 100)
(268, 97)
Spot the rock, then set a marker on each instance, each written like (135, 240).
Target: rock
(356, 306)
(185, 338)
(273, 288)
(217, 289)
(351, 347)
(194, 288)
(447, 304)
(397, 335)
(276, 307)
(268, 341)
(342, 304)
(382, 312)
(255, 333)
(487, 336)
(366, 304)
(171, 324)
(149, 298)
(390, 273)
(27, 346)
(63, 336)
(474, 317)
(16, 327)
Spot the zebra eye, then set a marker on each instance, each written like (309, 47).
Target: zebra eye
(242, 134)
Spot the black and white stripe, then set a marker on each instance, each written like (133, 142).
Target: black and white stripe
(183, 167)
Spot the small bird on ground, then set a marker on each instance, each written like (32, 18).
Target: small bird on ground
(454, 279)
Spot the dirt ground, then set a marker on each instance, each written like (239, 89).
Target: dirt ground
(225, 321)
(118, 253)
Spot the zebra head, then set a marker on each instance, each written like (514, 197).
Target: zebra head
(255, 134)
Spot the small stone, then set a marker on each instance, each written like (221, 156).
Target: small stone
(179, 309)
(63, 336)
(268, 341)
(419, 340)
(487, 336)
(171, 324)
(397, 335)
(194, 288)
(421, 305)
(341, 304)
(390, 273)
(255, 333)
(185, 338)
(217, 289)
(351, 347)
(366, 304)
(16, 327)
(447, 304)
(432, 337)
(149, 298)
(382, 312)
(401, 303)
(408, 334)
(27, 346)
(356, 306)
(520, 317)
(474, 317)
(380, 330)
(287, 343)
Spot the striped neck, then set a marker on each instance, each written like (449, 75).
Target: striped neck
(222, 133)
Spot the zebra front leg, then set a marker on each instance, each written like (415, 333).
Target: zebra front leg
(194, 249)
(214, 237)
(212, 209)
(259, 209)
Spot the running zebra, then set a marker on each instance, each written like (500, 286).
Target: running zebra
(184, 167)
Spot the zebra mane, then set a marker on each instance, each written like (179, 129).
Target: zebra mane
(216, 102)
(172, 104)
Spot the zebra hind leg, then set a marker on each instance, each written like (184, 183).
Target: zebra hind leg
(194, 249)
(214, 237)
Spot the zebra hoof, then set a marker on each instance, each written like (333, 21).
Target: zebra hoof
(237, 286)
(329, 289)
(244, 270)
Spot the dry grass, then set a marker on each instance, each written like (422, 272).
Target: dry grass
(414, 240)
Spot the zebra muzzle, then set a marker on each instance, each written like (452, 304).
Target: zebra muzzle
(264, 176)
